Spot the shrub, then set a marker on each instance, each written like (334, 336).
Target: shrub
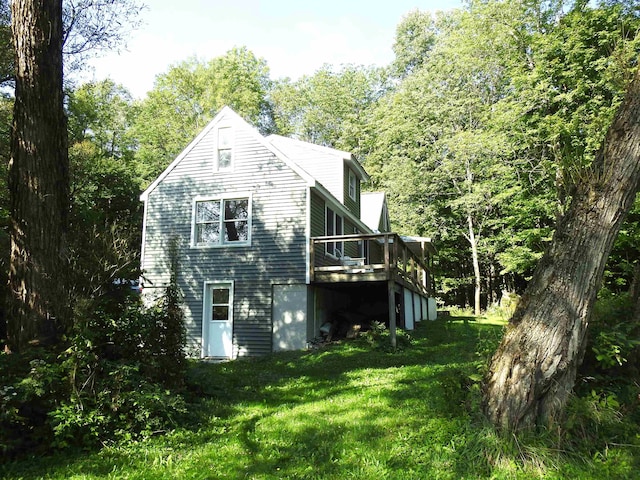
(378, 336)
(122, 405)
(32, 384)
(118, 376)
(613, 348)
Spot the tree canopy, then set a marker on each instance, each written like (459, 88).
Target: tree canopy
(187, 97)
(488, 131)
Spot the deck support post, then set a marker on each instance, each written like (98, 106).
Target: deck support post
(391, 287)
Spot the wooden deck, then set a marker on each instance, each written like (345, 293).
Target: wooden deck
(370, 258)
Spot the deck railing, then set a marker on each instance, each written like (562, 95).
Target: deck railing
(382, 256)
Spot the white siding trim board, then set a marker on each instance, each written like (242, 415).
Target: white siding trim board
(307, 234)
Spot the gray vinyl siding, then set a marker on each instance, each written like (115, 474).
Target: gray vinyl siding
(352, 205)
(350, 248)
(317, 215)
(277, 253)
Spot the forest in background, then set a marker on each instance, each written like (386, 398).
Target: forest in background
(479, 132)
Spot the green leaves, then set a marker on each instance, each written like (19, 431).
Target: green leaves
(188, 96)
(330, 107)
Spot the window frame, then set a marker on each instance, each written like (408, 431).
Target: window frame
(218, 148)
(362, 245)
(353, 196)
(221, 243)
(331, 247)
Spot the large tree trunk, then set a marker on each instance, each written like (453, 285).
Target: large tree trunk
(534, 369)
(38, 174)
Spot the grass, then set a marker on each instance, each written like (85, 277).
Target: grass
(348, 411)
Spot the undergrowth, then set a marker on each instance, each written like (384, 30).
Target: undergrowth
(360, 410)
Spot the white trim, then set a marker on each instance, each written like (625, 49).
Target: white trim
(221, 197)
(206, 309)
(307, 233)
(144, 234)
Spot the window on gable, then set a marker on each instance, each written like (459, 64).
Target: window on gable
(222, 221)
(353, 185)
(333, 226)
(224, 149)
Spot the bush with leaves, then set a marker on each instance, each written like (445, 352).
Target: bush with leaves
(608, 387)
(124, 372)
(119, 377)
(32, 382)
(378, 336)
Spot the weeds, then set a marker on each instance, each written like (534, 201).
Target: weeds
(352, 411)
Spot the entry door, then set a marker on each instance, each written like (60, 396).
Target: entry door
(217, 323)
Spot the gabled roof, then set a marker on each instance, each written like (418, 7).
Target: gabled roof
(228, 114)
(297, 150)
(372, 208)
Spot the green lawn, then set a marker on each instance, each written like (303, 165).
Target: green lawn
(347, 411)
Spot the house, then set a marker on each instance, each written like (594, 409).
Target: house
(276, 241)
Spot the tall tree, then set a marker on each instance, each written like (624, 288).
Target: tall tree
(105, 215)
(534, 369)
(188, 96)
(38, 175)
(90, 27)
(330, 107)
(439, 151)
(416, 35)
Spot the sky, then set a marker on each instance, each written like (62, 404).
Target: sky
(295, 37)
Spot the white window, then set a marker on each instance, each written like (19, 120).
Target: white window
(220, 302)
(222, 221)
(224, 147)
(333, 227)
(353, 182)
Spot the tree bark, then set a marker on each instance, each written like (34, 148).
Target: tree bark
(534, 369)
(38, 175)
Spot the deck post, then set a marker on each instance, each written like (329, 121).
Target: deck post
(387, 256)
(392, 311)
(312, 260)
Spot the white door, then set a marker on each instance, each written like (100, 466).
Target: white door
(217, 324)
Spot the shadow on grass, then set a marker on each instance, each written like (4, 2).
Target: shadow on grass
(354, 407)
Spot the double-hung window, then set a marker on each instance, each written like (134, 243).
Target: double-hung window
(353, 185)
(224, 221)
(224, 147)
(333, 227)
